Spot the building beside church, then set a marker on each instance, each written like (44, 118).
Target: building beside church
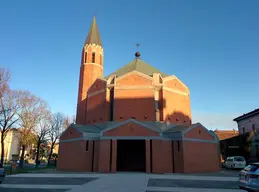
(11, 144)
(248, 122)
(135, 119)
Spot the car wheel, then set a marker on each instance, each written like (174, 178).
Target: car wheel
(0, 182)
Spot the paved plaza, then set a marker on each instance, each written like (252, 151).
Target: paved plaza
(120, 182)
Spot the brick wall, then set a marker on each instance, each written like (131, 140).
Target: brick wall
(73, 157)
(200, 157)
(178, 165)
(176, 108)
(104, 156)
(96, 108)
(135, 103)
(162, 156)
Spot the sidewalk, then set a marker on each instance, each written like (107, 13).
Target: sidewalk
(116, 183)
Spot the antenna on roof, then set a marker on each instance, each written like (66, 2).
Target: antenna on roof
(137, 54)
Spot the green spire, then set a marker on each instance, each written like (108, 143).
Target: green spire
(93, 34)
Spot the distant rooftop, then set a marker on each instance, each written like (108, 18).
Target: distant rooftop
(226, 134)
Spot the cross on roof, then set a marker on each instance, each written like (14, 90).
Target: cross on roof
(137, 45)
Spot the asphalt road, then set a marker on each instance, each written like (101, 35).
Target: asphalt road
(31, 190)
(42, 181)
(193, 184)
(222, 173)
(62, 184)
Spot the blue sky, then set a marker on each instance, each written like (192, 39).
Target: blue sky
(212, 46)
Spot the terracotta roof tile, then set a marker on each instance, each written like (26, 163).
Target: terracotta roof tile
(226, 134)
(137, 65)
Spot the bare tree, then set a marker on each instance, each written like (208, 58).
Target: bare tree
(31, 110)
(4, 77)
(57, 126)
(8, 107)
(68, 120)
(42, 131)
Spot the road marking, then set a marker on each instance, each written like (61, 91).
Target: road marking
(57, 175)
(192, 177)
(151, 176)
(24, 186)
(185, 189)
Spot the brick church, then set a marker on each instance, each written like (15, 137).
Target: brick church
(135, 119)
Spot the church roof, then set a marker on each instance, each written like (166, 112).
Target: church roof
(172, 131)
(156, 126)
(137, 65)
(93, 36)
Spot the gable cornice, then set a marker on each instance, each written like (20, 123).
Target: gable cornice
(135, 72)
(101, 79)
(69, 127)
(174, 77)
(96, 92)
(199, 125)
(126, 122)
(176, 91)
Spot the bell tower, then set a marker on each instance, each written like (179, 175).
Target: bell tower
(91, 69)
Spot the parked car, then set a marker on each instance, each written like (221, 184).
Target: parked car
(235, 162)
(2, 174)
(223, 164)
(248, 178)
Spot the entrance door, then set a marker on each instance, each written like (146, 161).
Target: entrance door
(131, 155)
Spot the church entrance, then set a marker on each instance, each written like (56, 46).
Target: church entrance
(131, 155)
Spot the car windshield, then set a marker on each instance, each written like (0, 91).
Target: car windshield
(239, 159)
(251, 168)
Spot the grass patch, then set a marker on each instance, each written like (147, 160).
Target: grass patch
(9, 171)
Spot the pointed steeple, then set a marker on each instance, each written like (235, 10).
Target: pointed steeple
(93, 34)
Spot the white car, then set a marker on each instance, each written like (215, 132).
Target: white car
(235, 162)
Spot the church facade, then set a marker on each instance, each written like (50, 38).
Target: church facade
(135, 119)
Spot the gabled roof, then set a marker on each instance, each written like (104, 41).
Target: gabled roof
(247, 115)
(137, 65)
(178, 128)
(83, 128)
(165, 130)
(93, 34)
(161, 127)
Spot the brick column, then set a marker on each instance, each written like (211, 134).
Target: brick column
(148, 156)
(114, 156)
(104, 156)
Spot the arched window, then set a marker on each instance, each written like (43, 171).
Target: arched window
(85, 57)
(101, 59)
(86, 146)
(93, 57)
(178, 145)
